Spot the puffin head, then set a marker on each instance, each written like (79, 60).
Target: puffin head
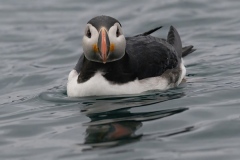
(103, 40)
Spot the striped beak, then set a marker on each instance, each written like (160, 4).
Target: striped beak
(103, 44)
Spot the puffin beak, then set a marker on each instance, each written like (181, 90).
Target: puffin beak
(103, 44)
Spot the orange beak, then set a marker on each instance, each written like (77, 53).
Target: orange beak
(103, 44)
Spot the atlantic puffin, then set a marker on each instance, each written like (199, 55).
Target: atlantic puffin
(112, 64)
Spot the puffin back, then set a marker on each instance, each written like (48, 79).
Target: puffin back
(175, 40)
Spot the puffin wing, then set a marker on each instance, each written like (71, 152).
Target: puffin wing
(79, 64)
(173, 38)
(149, 32)
(150, 56)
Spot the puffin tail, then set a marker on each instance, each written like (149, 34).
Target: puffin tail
(187, 50)
(174, 39)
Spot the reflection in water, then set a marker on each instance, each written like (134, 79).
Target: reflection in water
(113, 119)
(106, 104)
(112, 123)
(111, 134)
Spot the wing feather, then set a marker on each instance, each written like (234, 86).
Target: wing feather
(150, 56)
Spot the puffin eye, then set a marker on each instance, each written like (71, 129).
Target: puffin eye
(117, 33)
(88, 34)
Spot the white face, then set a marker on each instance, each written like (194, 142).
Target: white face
(113, 42)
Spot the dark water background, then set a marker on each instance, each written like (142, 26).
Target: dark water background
(40, 42)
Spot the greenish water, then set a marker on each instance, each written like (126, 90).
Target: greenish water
(40, 42)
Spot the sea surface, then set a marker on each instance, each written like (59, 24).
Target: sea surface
(40, 42)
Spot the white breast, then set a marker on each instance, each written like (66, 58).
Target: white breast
(98, 85)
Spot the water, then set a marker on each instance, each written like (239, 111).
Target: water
(40, 42)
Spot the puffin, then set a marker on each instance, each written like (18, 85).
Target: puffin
(112, 64)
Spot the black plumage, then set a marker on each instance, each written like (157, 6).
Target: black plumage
(145, 56)
(105, 21)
